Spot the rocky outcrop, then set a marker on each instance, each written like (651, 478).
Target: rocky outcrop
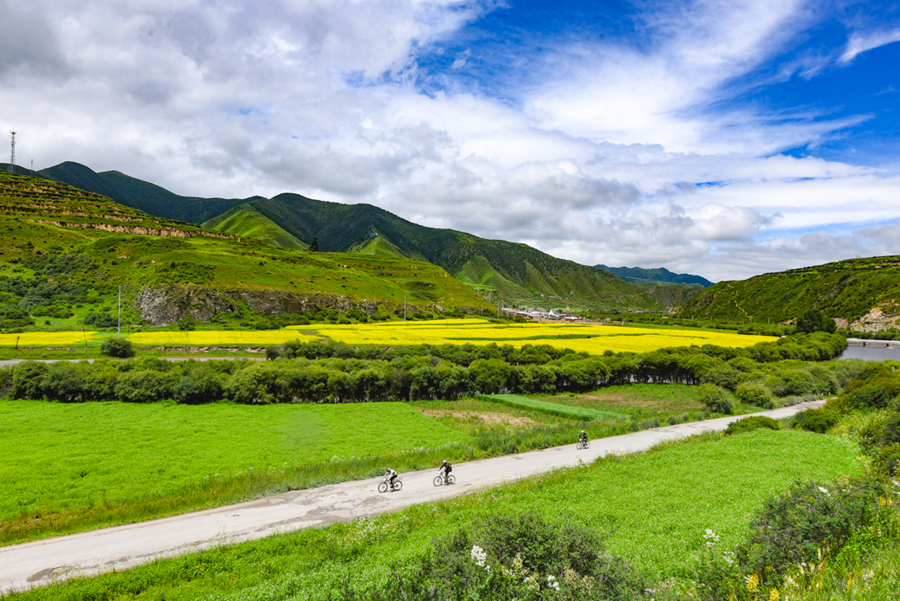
(139, 230)
(878, 319)
(165, 305)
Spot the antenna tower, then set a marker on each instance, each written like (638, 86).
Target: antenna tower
(12, 156)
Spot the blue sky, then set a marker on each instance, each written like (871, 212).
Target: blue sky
(723, 138)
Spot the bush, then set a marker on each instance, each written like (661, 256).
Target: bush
(508, 558)
(715, 398)
(886, 460)
(117, 347)
(816, 420)
(143, 386)
(101, 320)
(810, 518)
(752, 423)
(755, 393)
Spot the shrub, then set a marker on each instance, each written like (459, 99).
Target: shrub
(508, 558)
(755, 393)
(715, 398)
(809, 519)
(101, 320)
(143, 386)
(886, 460)
(816, 420)
(27, 380)
(117, 347)
(201, 385)
(752, 423)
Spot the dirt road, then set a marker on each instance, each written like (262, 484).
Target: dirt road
(42, 562)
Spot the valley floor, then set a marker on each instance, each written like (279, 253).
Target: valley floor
(43, 562)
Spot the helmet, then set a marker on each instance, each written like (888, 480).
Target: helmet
(582, 431)
(444, 461)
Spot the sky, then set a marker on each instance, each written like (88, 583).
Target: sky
(713, 137)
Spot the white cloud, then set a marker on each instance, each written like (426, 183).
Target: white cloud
(860, 43)
(597, 157)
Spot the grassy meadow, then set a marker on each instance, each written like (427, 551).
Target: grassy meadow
(76, 466)
(655, 507)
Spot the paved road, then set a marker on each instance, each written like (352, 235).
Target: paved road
(90, 553)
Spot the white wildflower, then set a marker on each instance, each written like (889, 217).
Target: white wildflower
(824, 491)
(552, 583)
(478, 556)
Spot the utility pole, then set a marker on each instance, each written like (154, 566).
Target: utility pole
(404, 308)
(12, 154)
(119, 320)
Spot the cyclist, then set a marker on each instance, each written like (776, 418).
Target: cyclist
(583, 437)
(445, 470)
(393, 476)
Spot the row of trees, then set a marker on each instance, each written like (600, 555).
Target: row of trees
(315, 372)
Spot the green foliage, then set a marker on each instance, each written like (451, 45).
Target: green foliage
(117, 347)
(755, 393)
(716, 399)
(506, 558)
(103, 321)
(815, 321)
(187, 323)
(816, 420)
(812, 516)
(749, 424)
(847, 289)
(551, 408)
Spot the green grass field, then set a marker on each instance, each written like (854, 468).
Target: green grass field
(552, 408)
(73, 467)
(60, 458)
(655, 507)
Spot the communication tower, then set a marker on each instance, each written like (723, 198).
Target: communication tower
(12, 156)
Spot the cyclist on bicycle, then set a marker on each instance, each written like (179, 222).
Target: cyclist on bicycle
(583, 437)
(392, 475)
(445, 470)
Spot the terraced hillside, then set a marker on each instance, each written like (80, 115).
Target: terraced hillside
(863, 294)
(64, 253)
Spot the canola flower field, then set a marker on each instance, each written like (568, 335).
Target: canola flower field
(592, 338)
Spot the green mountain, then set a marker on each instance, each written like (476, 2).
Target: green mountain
(140, 195)
(245, 221)
(64, 253)
(862, 293)
(516, 272)
(638, 275)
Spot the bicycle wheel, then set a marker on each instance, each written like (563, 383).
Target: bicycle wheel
(438, 480)
(587, 443)
(578, 446)
(398, 484)
(451, 479)
(382, 487)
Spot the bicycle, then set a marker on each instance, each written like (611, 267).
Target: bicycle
(582, 444)
(440, 481)
(386, 484)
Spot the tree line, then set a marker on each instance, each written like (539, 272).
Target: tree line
(324, 372)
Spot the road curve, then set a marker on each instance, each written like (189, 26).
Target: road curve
(86, 554)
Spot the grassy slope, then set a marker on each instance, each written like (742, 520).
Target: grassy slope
(139, 194)
(847, 289)
(134, 260)
(655, 506)
(246, 222)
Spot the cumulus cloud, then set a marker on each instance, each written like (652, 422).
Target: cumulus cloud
(599, 150)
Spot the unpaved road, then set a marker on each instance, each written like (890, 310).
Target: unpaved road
(89, 553)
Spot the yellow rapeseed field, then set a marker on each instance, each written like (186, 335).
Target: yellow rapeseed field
(581, 337)
(215, 338)
(47, 339)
